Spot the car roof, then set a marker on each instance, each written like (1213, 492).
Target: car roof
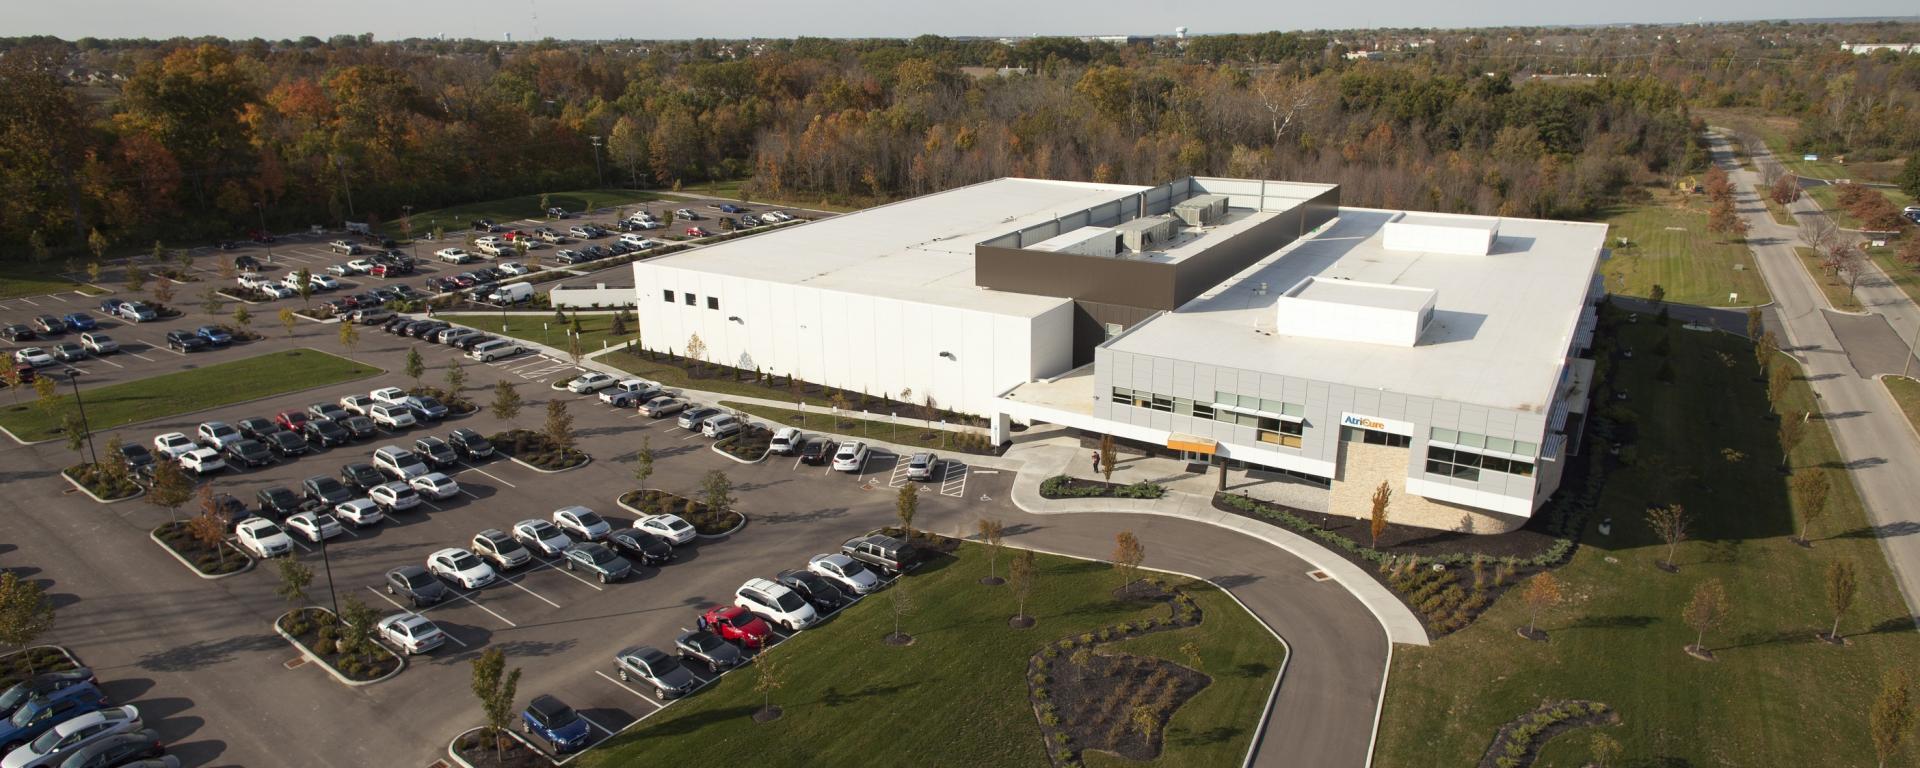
(548, 706)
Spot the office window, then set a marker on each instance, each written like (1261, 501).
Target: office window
(1203, 410)
(1161, 403)
(691, 299)
(1278, 432)
(1467, 465)
(713, 302)
(1374, 437)
(1122, 396)
(668, 295)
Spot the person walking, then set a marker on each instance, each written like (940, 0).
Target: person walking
(1096, 461)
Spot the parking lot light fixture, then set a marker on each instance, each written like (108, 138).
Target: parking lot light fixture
(73, 378)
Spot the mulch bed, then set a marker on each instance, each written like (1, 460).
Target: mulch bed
(457, 405)
(751, 444)
(102, 483)
(476, 748)
(1528, 732)
(534, 448)
(204, 558)
(927, 543)
(317, 630)
(1425, 543)
(15, 667)
(1085, 699)
(654, 501)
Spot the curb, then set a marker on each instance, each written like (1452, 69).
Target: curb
(90, 494)
(309, 655)
(621, 500)
(454, 755)
(230, 297)
(16, 438)
(71, 659)
(763, 454)
(155, 535)
(516, 460)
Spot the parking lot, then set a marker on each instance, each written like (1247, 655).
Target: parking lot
(227, 685)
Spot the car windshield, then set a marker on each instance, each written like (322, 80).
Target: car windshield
(44, 744)
(788, 601)
(464, 561)
(601, 555)
(543, 531)
(417, 579)
(266, 530)
(588, 519)
(429, 401)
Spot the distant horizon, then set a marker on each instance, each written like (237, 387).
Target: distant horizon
(528, 21)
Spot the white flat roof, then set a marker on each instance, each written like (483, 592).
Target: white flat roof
(919, 249)
(1396, 297)
(1502, 322)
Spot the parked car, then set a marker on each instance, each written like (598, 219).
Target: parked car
(99, 343)
(286, 443)
(662, 406)
(173, 445)
(217, 434)
(358, 513)
(846, 572)
(824, 595)
(496, 349)
(394, 497)
(669, 527)
(629, 393)
(247, 452)
(359, 427)
(693, 418)
(852, 456)
(817, 451)
(256, 427)
(426, 408)
(135, 456)
(73, 734)
(291, 420)
(314, 526)
(49, 325)
(460, 567)
(411, 633)
(186, 341)
(650, 665)
(79, 321)
(137, 312)
(263, 539)
(69, 352)
(361, 476)
(922, 466)
(202, 461)
(278, 501)
(470, 445)
(889, 554)
(418, 586)
(17, 332)
(436, 452)
(589, 383)
(581, 523)
(325, 490)
(38, 716)
(326, 433)
(709, 649)
(356, 404)
(129, 749)
(786, 441)
(435, 485)
(540, 536)
(501, 549)
(776, 603)
(392, 416)
(737, 624)
(722, 426)
(388, 395)
(328, 411)
(554, 722)
(110, 307)
(597, 559)
(640, 546)
(66, 684)
(215, 335)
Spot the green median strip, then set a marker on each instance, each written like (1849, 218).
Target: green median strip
(156, 397)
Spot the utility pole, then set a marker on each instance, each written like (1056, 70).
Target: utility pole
(73, 377)
(261, 206)
(344, 184)
(599, 179)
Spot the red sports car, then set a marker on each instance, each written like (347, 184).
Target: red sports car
(293, 421)
(734, 623)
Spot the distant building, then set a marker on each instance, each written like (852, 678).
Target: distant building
(1365, 55)
(1863, 49)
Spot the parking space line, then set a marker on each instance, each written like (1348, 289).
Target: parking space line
(59, 298)
(603, 729)
(899, 476)
(30, 301)
(952, 486)
(477, 604)
(542, 598)
(141, 356)
(496, 478)
(557, 565)
(110, 362)
(629, 689)
(796, 462)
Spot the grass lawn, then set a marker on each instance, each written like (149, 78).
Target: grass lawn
(455, 218)
(1908, 278)
(731, 189)
(957, 696)
(23, 279)
(1906, 392)
(914, 434)
(1776, 696)
(1669, 246)
(1780, 214)
(594, 329)
(1775, 130)
(1834, 286)
(186, 391)
(1829, 199)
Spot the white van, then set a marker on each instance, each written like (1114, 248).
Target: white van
(489, 351)
(511, 293)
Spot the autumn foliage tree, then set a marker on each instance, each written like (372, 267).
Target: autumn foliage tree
(1706, 610)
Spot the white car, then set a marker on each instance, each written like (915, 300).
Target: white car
(776, 603)
(202, 461)
(588, 383)
(356, 404)
(455, 255)
(398, 463)
(846, 572)
(480, 241)
(515, 269)
(173, 445)
(411, 633)
(669, 527)
(252, 279)
(217, 434)
(360, 266)
(278, 291)
(33, 356)
(314, 525)
(57, 744)
(638, 243)
(851, 457)
(629, 393)
(540, 536)
(389, 395)
(323, 283)
(391, 415)
(460, 567)
(582, 523)
(394, 497)
(339, 270)
(786, 441)
(436, 485)
(359, 513)
(99, 343)
(262, 538)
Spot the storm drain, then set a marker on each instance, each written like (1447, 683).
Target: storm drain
(1318, 575)
(295, 662)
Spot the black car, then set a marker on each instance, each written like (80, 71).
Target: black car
(278, 502)
(235, 510)
(419, 328)
(417, 585)
(703, 647)
(185, 341)
(256, 427)
(135, 456)
(326, 490)
(246, 263)
(437, 453)
(820, 593)
(406, 292)
(326, 432)
(473, 340)
(286, 443)
(640, 546)
(327, 411)
(17, 332)
(470, 444)
(360, 427)
(395, 323)
(248, 452)
(818, 451)
(361, 476)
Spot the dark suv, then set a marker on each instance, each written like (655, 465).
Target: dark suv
(186, 341)
(248, 452)
(470, 444)
(818, 451)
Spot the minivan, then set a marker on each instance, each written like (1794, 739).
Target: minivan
(490, 351)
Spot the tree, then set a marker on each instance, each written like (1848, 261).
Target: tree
(1543, 592)
(559, 424)
(415, 367)
(136, 277)
(696, 349)
(47, 396)
(506, 400)
(97, 243)
(900, 602)
(209, 528)
(11, 377)
(1658, 293)
(1146, 721)
(25, 613)
(1765, 349)
(1024, 570)
(991, 532)
(359, 619)
(1909, 178)
(1106, 457)
(1810, 488)
(1841, 585)
(1910, 251)
(1892, 714)
(212, 303)
(905, 505)
(1707, 609)
(350, 337)
(456, 377)
(1792, 428)
(1670, 524)
(1128, 553)
(716, 491)
(1779, 380)
(643, 461)
(1755, 323)
(295, 577)
(575, 349)
(1718, 186)
(242, 317)
(618, 325)
(496, 688)
(1723, 219)
(304, 285)
(1382, 496)
(1785, 190)
(769, 677)
(288, 320)
(170, 488)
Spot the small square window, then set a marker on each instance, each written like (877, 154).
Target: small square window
(668, 295)
(713, 302)
(691, 300)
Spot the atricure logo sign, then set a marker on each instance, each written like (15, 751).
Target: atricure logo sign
(1364, 421)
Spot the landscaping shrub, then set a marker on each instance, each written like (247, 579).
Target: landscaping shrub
(536, 449)
(1064, 487)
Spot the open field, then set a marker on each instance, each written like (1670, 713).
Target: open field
(957, 695)
(187, 391)
(1776, 695)
(1668, 245)
(1906, 392)
(1776, 131)
(456, 217)
(24, 279)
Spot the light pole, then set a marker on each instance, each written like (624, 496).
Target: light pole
(73, 378)
(413, 243)
(599, 178)
(328, 562)
(265, 236)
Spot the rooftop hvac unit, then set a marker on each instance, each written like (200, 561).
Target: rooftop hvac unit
(1201, 210)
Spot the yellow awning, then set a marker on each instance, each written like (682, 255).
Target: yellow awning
(1192, 444)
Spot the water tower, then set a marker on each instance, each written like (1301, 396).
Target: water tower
(1180, 33)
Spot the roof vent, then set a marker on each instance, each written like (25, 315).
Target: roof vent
(1260, 289)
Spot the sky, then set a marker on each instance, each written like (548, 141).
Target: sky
(654, 19)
